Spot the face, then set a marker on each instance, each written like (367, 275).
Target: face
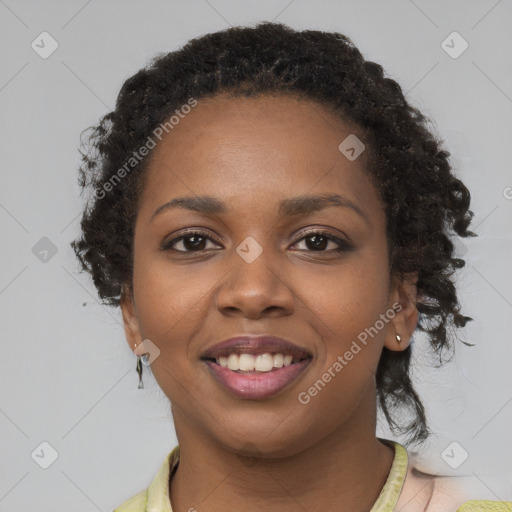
(315, 274)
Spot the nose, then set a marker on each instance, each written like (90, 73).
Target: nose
(255, 289)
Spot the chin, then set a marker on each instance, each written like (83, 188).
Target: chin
(266, 441)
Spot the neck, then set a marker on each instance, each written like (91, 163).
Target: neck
(348, 467)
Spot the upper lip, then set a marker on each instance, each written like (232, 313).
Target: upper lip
(262, 344)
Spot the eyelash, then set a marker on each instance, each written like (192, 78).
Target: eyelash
(344, 246)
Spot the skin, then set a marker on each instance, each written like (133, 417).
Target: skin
(276, 453)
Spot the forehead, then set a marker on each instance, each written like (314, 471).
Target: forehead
(276, 123)
(256, 148)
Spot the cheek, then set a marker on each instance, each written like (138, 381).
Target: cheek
(169, 303)
(349, 323)
(347, 310)
(351, 296)
(170, 307)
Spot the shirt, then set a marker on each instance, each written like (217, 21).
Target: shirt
(421, 493)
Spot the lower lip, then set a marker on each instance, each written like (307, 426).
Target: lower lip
(254, 386)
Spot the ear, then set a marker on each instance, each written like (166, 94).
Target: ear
(403, 299)
(131, 324)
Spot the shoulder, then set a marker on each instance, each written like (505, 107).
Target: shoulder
(156, 496)
(423, 492)
(136, 503)
(453, 494)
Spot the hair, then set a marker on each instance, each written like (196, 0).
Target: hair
(424, 202)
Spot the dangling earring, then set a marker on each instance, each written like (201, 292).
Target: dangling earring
(139, 371)
(398, 338)
(141, 360)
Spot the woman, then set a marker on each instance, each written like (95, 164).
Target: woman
(272, 217)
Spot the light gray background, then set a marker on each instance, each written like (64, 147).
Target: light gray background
(67, 375)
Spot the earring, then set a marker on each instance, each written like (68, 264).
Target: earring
(398, 338)
(139, 371)
(141, 360)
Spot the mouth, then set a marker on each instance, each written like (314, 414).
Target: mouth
(256, 367)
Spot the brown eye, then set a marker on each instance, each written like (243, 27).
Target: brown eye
(192, 241)
(319, 241)
(316, 241)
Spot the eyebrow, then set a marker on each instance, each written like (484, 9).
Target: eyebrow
(300, 205)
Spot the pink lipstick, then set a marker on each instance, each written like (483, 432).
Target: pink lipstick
(256, 367)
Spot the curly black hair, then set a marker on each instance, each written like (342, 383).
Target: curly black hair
(425, 202)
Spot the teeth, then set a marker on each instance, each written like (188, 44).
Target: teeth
(278, 360)
(246, 362)
(264, 363)
(233, 362)
(260, 363)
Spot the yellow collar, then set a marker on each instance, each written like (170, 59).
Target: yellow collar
(156, 497)
(158, 492)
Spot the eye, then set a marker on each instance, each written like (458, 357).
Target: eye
(318, 241)
(191, 241)
(197, 241)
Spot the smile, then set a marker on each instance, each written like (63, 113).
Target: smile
(256, 368)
